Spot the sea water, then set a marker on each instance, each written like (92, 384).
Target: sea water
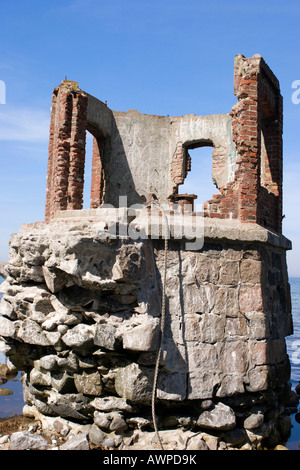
(293, 349)
(13, 404)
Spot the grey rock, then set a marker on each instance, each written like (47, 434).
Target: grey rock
(105, 336)
(206, 404)
(77, 442)
(62, 382)
(220, 417)
(3, 269)
(117, 424)
(4, 439)
(255, 420)
(54, 338)
(68, 363)
(102, 419)
(61, 427)
(68, 405)
(81, 336)
(138, 422)
(24, 440)
(7, 309)
(96, 436)
(109, 443)
(135, 383)
(39, 378)
(54, 278)
(196, 443)
(30, 332)
(48, 362)
(171, 386)
(111, 404)
(144, 337)
(88, 383)
(7, 328)
(64, 318)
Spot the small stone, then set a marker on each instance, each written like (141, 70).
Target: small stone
(48, 362)
(81, 336)
(255, 420)
(54, 278)
(62, 329)
(24, 440)
(62, 382)
(110, 443)
(7, 327)
(197, 443)
(33, 427)
(118, 424)
(206, 404)
(211, 442)
(111, 404)
(220, 417)
(102, 419)
(96, 436)
(61, 427)
(30, 332)
(88, 383)
(77, 442)
(138, 422)
(105, 336)
(143, 337)
(28, 411)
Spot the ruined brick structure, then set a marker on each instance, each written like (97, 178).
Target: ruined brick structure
(82, 303)
(135, 154)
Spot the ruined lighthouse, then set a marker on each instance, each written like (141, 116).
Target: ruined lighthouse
(98, 308)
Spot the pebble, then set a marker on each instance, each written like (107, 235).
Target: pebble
(77, 442)
(110, 443)
(4, 439)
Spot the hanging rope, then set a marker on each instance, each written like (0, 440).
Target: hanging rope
(162, 327)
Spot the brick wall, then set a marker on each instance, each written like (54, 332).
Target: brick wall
(65, 175)
(255, 194)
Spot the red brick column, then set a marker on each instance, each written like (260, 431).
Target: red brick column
(271, 121)
(61, 152)
(77, 152)
(246, 134)
(255, 195)
(65, 175)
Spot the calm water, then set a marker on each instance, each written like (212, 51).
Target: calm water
(293, 348)
(14, 403)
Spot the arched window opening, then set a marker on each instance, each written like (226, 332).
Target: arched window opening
(94, 179)
(199, 179)
(88, 171)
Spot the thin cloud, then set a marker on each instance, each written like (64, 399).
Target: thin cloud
(23, 124)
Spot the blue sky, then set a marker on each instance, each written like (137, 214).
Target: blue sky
(160, 57)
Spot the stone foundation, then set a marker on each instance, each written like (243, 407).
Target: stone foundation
(81, 316)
